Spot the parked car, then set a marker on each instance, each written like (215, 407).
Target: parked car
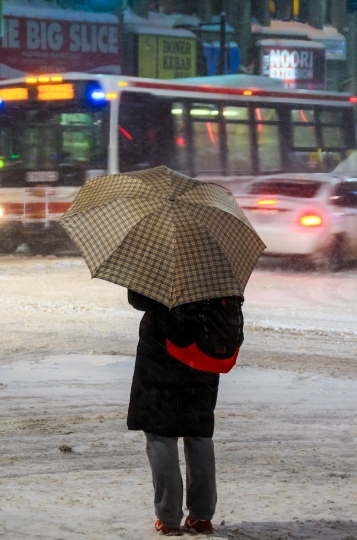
(311, 216)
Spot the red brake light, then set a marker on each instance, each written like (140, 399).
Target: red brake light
(267, 202)
(353, 99)
(311, 221)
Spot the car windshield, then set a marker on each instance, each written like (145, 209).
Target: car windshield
(298, 189)
(45, 139)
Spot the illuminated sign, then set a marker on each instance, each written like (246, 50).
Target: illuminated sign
(14, 94)
(298, 67)
(166, 57)
(49, 92)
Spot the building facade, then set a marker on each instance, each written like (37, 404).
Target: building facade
(316, 38)
(307, 43)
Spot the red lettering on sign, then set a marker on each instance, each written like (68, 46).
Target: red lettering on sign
(40, 45)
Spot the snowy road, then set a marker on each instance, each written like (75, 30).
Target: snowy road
(286, 427)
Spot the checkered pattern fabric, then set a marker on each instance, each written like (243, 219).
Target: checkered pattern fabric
(164, 235)
(217, 197)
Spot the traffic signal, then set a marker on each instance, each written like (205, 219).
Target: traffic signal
(351, 6)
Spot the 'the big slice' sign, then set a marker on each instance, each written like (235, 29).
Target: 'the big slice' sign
(298, 67)
(34, 45)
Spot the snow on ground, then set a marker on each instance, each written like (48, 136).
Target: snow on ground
(286, 426)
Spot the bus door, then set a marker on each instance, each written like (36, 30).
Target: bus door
(146, 137)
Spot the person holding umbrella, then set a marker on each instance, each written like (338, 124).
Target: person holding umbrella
(185, 251)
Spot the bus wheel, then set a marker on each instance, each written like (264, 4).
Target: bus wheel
(39, 246)
(9, 244)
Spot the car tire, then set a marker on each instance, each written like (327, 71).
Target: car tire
(336, 255)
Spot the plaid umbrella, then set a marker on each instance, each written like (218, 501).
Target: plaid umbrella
(164, 235)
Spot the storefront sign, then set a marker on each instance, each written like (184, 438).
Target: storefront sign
(32, 45)
(166, 57)
(297, 67)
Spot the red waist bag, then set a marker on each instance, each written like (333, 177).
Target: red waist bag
(206, 335)
(193, 357)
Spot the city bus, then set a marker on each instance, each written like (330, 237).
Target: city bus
(56, 131)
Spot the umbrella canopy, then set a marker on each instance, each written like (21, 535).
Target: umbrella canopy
(164, 235)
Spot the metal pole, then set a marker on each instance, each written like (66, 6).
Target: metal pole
(122, 51)
(222, 42)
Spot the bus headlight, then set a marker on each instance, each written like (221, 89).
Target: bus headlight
(1, 212)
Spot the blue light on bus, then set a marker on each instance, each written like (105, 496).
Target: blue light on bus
(98, 95)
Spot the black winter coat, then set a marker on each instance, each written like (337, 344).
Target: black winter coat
(167, 397)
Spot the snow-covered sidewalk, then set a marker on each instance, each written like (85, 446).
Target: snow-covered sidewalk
(286, 427)
(285, 447)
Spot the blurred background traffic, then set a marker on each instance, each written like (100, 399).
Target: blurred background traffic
(257, 95)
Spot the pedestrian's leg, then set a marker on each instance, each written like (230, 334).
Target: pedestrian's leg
(164, 462)
(201, 492)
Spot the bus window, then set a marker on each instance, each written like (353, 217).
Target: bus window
(238, 145)
(269, 150)
(77, 143)
(332, 129)
(52, 139)
(263, 114)
(333, 137)
(268, 136)
(236, 114)
(203, 111)
(206, 140)
(304, 129)
(238, 135)
(180, 134)
(333, 118)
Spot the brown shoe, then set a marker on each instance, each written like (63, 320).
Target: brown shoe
(166, 530)
(199, 525)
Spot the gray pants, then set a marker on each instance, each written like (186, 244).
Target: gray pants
(201, 494)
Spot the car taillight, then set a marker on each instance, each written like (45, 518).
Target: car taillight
(311, 220)
(267, 202)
